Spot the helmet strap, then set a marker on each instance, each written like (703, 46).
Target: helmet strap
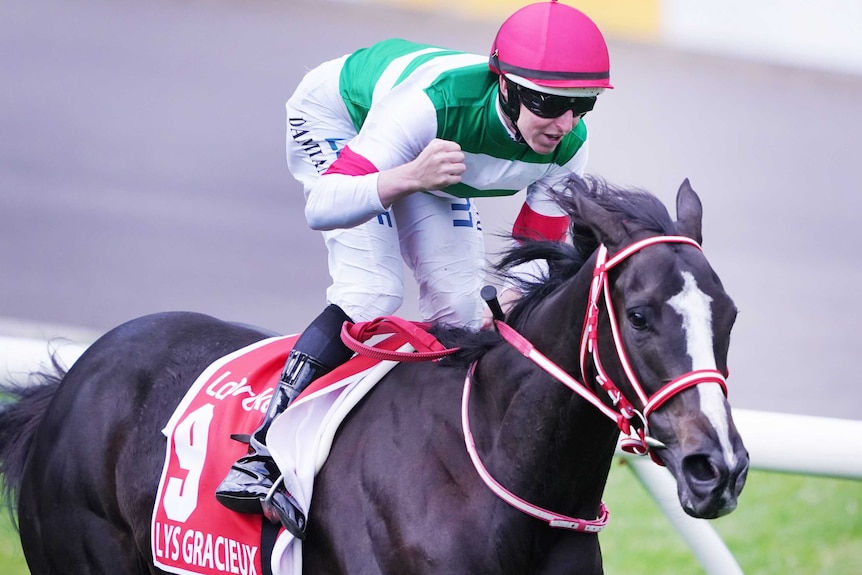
(512, 106)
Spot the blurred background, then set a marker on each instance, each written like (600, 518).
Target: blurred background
(142, 162)
(142, 169)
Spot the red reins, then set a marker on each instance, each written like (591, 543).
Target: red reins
(416, 333)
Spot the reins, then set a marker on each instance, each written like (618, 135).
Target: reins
(637, 439)
(416, 333)
(551, 518)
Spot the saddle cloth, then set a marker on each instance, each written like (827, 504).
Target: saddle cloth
(191, 533)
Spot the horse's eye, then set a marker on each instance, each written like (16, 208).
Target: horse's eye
(637, 319)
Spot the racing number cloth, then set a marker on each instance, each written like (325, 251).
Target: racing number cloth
(191, 532)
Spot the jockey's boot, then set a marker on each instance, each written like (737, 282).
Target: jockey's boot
(317, 351)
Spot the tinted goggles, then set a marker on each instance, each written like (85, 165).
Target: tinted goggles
(551, 106)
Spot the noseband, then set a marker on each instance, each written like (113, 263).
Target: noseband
(637, 439)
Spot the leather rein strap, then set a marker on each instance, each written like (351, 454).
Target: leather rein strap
(549, 517)
(416, 333)
(429, 348)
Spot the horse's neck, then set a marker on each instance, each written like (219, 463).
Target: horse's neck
(554, 327)
(534, 423)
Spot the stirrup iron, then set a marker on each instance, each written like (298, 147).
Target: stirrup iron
(280, 506)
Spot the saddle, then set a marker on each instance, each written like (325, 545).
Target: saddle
(280, 506)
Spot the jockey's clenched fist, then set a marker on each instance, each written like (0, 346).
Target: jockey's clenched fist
(439, 165)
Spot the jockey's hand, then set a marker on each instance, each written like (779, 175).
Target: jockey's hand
(507, 299)
(439, 165)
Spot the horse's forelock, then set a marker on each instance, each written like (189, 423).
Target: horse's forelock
(637, 208)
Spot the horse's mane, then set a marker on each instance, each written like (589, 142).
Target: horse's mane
(637, 208)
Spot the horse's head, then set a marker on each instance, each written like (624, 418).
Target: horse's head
(673, 321)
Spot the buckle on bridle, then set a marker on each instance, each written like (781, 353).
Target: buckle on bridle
(637, 440)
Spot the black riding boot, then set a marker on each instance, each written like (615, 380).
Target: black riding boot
(318, 351)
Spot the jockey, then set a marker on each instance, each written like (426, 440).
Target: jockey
(367, 131)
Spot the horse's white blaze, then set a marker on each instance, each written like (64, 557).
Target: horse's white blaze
(693, 305)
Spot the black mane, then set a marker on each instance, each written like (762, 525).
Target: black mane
(638, 209)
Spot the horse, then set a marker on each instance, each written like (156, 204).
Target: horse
(629, 315)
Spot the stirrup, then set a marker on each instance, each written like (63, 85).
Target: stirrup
(279, 506)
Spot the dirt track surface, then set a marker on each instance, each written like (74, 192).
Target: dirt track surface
(142, 169)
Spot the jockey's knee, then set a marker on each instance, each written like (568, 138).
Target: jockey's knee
(372, 305)
(459, 309)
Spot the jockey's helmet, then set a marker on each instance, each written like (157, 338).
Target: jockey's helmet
(550, 48)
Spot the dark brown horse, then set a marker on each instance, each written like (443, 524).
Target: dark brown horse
(82, 453)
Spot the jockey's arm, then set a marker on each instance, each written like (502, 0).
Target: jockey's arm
(541, 219)
(395, 154)
(353, 191)
(438, 166)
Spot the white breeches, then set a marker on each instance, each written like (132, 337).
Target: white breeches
(439, 238)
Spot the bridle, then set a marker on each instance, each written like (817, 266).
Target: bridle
(637, 439)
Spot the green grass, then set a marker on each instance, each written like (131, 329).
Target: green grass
(785, 524)
(11, 557)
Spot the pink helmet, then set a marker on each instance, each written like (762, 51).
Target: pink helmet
(552, 46)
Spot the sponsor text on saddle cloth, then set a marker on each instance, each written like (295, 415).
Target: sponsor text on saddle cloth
(192, 534)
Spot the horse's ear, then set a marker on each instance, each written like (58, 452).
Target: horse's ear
(605, 225)
(689, 212)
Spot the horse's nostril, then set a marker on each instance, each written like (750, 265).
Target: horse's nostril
(700, 468)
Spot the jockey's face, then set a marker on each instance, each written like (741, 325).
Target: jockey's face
(543, 135)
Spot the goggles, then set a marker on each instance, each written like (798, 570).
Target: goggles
(550, 105)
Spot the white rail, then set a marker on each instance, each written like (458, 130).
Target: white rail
(20, 356)
(800, 444)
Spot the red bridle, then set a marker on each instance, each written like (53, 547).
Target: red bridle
(637, 440)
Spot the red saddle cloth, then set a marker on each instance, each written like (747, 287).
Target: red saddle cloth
(192, 534)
